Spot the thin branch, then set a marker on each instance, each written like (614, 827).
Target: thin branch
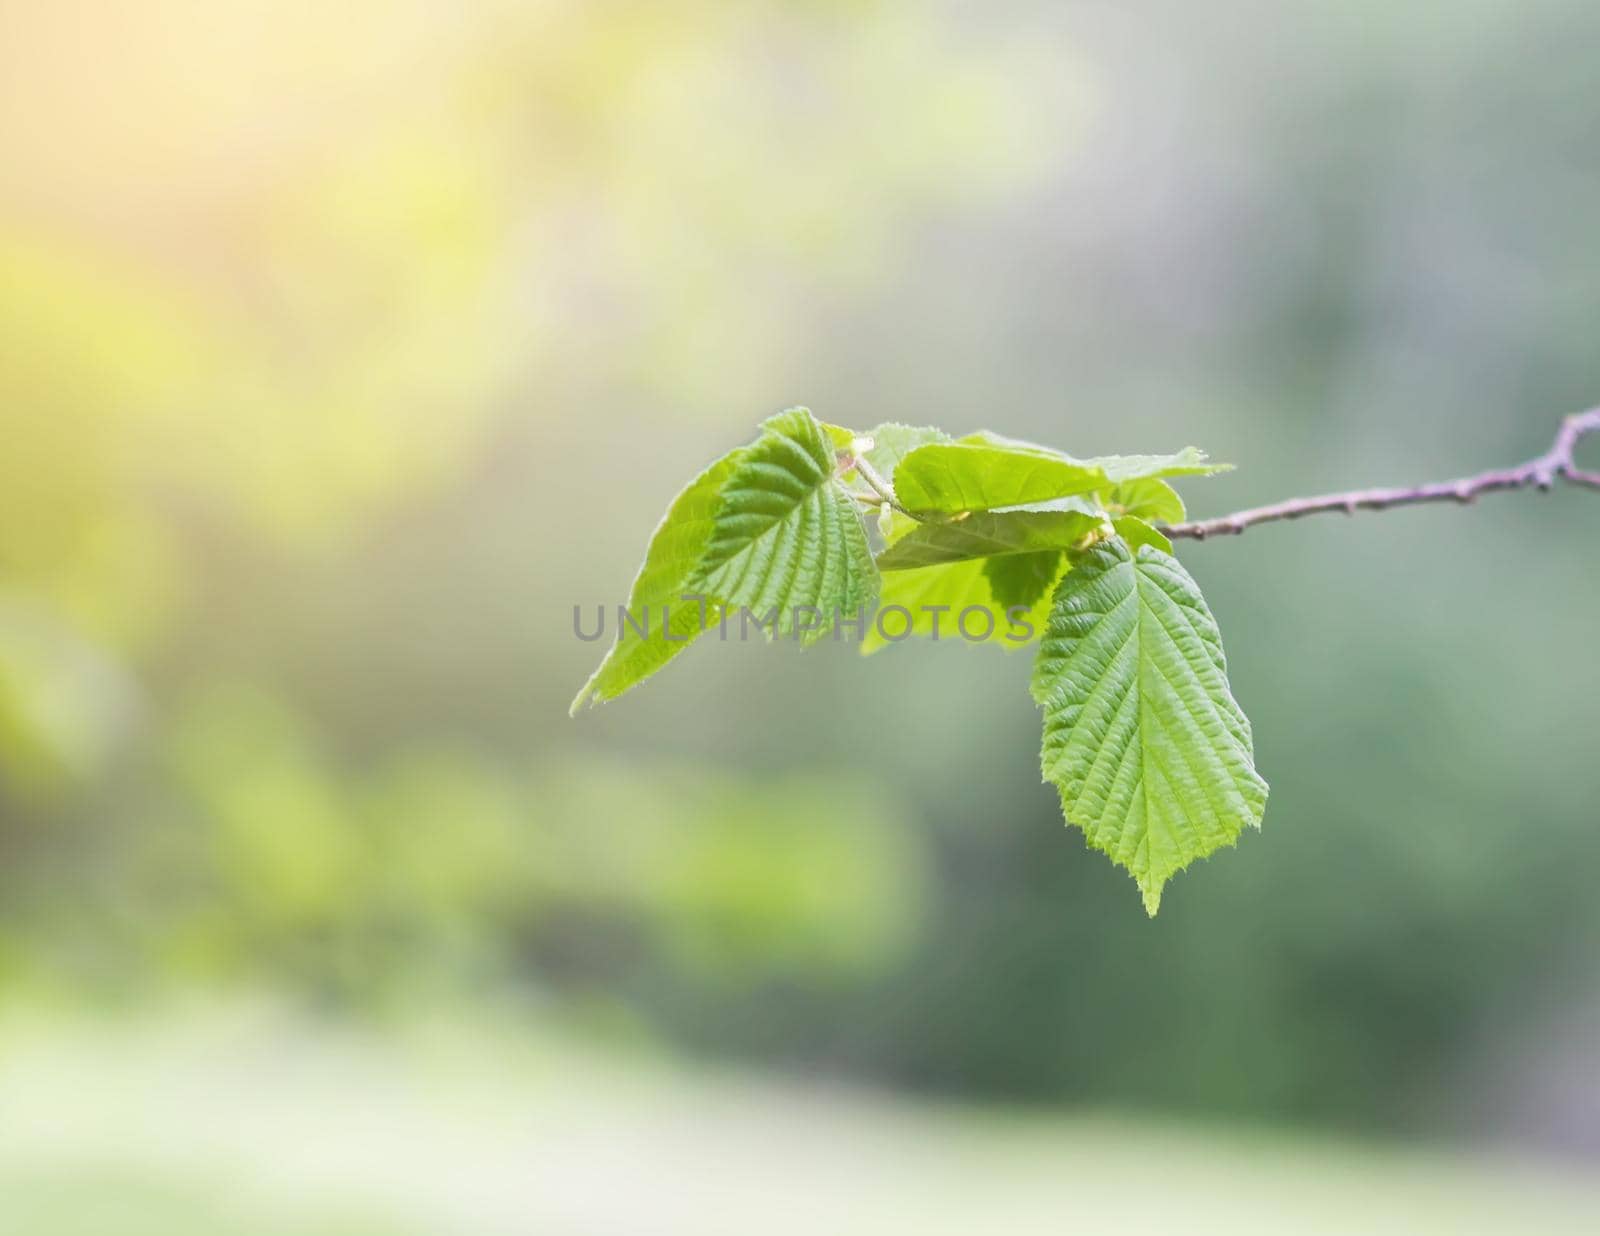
(1541, 473)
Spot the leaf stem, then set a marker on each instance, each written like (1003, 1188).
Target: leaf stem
(1540, 473)
(882, 490)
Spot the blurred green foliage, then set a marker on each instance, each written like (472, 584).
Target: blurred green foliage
(318, 336)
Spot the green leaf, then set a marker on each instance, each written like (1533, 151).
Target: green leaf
(950, 477)
(938, 595)
(933, 599)
(1151, 755)
(983, 534)
(985, 472)
(1022, 579)
(1137, 532)
(1150, 499)
(892, 442)
(1083, 504)
(787, 535)
(837, 435)
(675, 548)
(988, 437)
(1190, 461)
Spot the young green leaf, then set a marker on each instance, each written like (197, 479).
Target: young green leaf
(985, 472)
(1023, 579)
(1137, 532)
(950, 477)
(656, 600)
(840, 437)
(1150, 499)
(787, 537)
(892, 442)
(1190, 461)
(988, 437)
(1151, 755)
(933, 600)
(984, 534)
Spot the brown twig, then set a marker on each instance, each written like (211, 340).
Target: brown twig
(1541, 473)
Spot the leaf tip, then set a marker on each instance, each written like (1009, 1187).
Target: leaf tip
(592, 694)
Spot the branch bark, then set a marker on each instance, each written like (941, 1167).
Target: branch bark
(1541, 473)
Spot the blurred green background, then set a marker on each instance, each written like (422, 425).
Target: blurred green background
(345, 348)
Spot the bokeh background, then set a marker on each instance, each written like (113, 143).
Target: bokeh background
(345, 348)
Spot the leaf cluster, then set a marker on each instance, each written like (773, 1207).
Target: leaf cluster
(990, 540)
